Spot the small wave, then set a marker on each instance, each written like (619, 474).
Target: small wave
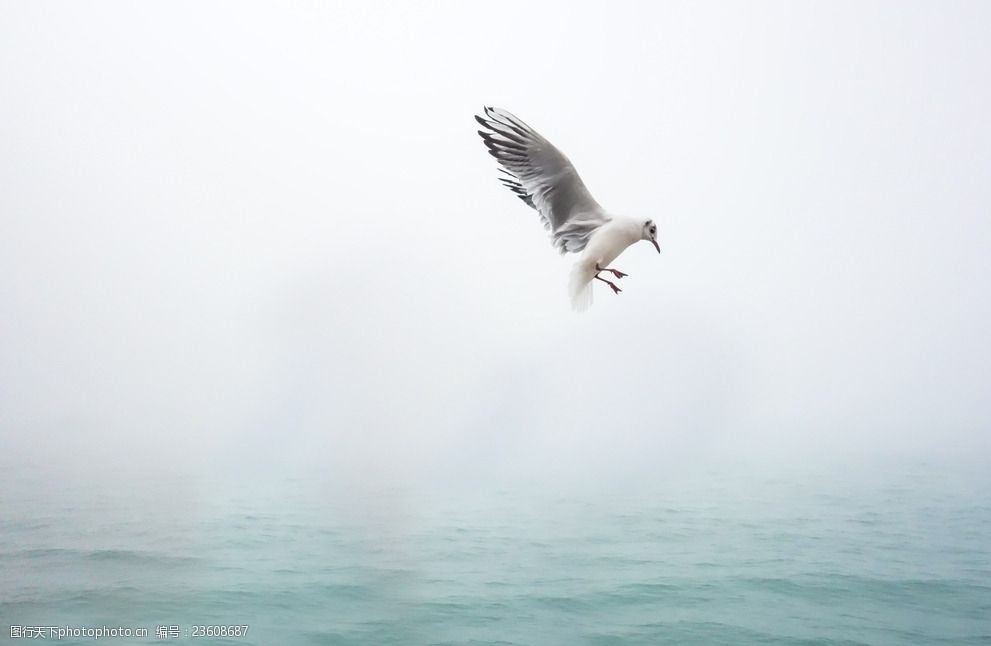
(137, 556)
(105, 555)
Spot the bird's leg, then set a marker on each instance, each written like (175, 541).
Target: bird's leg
(615, 272)
(611, 284)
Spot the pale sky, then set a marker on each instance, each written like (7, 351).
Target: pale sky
(269, 233)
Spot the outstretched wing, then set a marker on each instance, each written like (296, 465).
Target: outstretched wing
(542, 176)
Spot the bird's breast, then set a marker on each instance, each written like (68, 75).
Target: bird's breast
(606, 244)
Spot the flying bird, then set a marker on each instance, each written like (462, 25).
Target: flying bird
(541, 176)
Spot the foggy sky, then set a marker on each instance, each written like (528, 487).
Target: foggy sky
(269, 233)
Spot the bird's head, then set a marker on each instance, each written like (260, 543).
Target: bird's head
(649, 233)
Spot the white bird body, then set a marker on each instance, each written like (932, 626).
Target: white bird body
(605, 245)
(610, 240)
(544, 179)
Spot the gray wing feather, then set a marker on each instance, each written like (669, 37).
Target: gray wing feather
(541, 176)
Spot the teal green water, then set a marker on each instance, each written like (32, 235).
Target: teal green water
(900, 557)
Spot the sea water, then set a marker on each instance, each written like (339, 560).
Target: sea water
(901, 556)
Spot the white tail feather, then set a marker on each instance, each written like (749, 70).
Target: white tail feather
(580, 287)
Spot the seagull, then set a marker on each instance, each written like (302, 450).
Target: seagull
(541, 176)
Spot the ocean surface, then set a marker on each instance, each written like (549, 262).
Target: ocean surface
(894, 556)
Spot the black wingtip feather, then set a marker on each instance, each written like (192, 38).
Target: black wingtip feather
(508, 143)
